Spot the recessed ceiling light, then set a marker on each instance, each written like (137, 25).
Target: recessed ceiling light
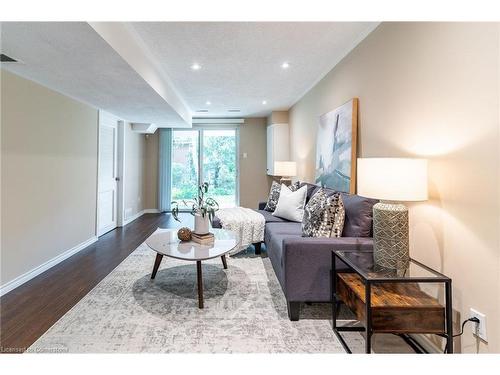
(285, 65)
(264, 102)
(196, 66)
(208, 102)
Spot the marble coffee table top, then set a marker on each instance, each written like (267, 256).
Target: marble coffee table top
(165, 242)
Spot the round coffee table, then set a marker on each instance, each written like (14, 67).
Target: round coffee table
(165, 242)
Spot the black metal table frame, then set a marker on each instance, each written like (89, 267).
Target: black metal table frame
(440, 278)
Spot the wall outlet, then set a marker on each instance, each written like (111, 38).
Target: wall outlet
(479, 329)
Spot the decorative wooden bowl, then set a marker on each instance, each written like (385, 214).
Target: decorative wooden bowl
(184, 234)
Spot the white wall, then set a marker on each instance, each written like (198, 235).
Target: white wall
(430, 90)
(49, 175)
(135, 174)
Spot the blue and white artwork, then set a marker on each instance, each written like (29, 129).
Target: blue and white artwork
(336, 148)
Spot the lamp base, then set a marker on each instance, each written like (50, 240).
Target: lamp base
(391, 245)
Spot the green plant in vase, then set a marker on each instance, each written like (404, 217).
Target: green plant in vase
(203, 209)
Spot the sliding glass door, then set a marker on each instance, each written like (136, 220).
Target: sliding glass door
(185, 167)
(219, 167)
(205, 155)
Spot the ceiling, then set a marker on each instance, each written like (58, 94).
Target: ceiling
(241, 62)
(142, 71)
(70, 57)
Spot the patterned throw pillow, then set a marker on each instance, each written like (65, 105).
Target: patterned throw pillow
(323, 215)
(295, 186)
(274, 194)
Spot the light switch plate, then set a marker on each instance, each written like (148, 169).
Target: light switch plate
(479, 329)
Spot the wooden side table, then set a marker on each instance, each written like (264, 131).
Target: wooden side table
(389, 301)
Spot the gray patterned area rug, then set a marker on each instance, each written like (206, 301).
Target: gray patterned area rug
(245, 311)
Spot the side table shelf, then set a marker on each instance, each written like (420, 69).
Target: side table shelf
(389, 301)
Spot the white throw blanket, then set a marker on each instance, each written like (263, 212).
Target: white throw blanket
(247, 223)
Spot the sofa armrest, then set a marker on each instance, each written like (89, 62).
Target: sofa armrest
(307, 264)
(262, 205)
(216, 222)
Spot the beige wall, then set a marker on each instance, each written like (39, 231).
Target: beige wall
(135, 174)
(49, 174)
(151, 170)
(254, 182)
(430, 90)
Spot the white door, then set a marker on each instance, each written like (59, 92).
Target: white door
(107, 175)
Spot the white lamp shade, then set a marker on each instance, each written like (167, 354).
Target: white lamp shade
(393, 179)
(285, 168)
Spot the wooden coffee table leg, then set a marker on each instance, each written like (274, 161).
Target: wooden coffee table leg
(224, 262)
(200, 284)
(158, 259)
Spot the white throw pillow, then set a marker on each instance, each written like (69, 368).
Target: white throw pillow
(291, 203)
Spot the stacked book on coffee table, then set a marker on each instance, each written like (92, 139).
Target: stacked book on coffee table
(203, 239)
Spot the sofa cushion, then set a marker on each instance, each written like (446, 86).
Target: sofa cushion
(269, 218)
(288, 227)
(306, 264)
(311, 189)
(274, 247)
(358, 215)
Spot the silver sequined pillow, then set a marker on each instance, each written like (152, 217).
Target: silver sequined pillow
(323, 215)
(274, 195)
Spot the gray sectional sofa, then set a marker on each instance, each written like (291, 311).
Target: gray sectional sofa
(303, 264)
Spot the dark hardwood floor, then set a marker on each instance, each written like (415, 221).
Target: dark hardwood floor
(31, 309)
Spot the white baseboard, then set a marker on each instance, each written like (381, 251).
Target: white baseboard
(132, 218)
(139, 214)
(44, 267)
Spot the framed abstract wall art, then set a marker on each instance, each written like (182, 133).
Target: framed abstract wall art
(336, 148)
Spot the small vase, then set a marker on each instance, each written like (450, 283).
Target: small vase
(201, 224)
